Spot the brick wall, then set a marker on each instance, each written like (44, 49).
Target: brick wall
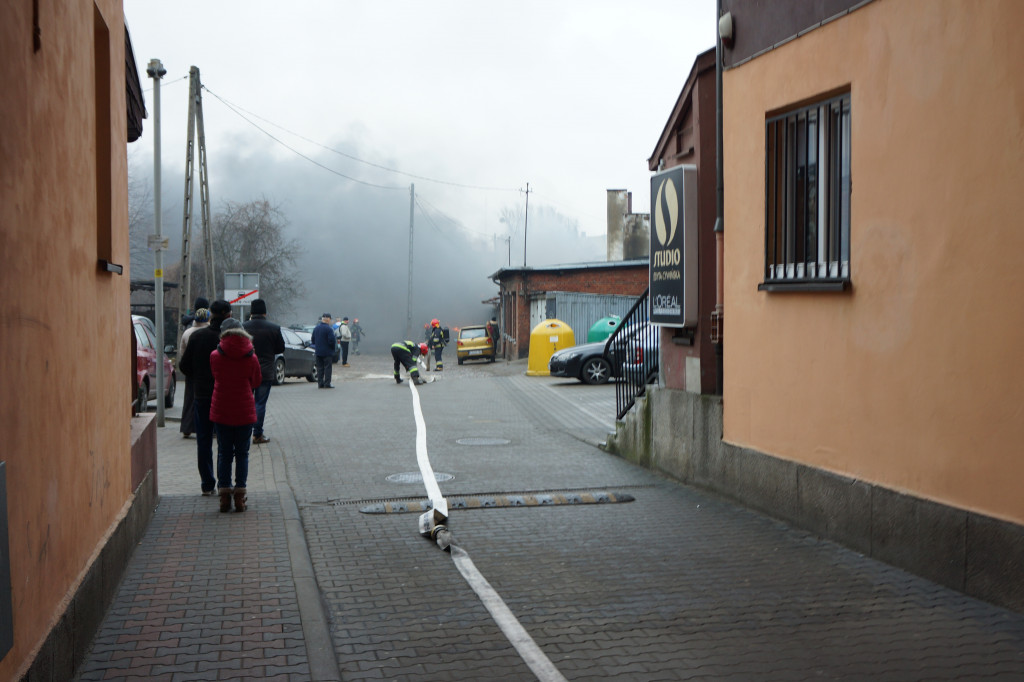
(625, 280)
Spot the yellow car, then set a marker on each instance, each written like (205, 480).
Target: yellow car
(473, 343)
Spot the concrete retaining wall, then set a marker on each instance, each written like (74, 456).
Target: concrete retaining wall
(679, 434)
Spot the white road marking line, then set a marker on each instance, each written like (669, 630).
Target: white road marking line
(516, 634)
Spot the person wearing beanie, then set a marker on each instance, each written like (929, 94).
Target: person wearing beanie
(201, 319)
(268, 343)
(323, 344)
(188, 320)
(194, 363)
(236, 376)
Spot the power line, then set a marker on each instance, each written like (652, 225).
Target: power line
(237, 109)
(296, 151)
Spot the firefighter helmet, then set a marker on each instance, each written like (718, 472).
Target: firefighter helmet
(423, 349)
(435, 323)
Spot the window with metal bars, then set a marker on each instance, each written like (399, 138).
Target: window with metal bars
(807, 198)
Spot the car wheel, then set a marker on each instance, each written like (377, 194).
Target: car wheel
(142, 398)
(595, 371)
(312, 374)
(461, 360)
(169, 398)
(278, 371)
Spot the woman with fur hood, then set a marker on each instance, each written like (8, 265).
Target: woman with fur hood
(236, 374)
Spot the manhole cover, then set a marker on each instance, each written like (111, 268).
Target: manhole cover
(483, 441)
(417, 477)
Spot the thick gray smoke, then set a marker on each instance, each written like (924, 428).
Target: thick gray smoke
(356, 240)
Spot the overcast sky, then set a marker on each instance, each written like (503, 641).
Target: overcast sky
(569, 96)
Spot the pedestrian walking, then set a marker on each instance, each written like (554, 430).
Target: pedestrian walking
(268, 342)
(237, 375)
(200, 319)
(323, 341)
(405, 353)
(195, 365)
(437, 340)
(345, 337)
(357, 335)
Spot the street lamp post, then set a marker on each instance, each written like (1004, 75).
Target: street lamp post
(156, 71)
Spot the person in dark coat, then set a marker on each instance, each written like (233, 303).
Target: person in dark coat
(200, 318)
(195, 365)
(268, 343)
(236, 376)
(323, 341)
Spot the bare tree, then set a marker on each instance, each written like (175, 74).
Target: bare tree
(250, 237)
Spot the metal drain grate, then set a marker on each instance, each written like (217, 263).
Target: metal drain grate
(483, 441)
(417, 477)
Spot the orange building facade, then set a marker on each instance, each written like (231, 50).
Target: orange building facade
(871, 380)
(70, 481)
(910, 377)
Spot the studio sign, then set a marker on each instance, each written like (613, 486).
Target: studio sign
(674, 247)
(666, 218)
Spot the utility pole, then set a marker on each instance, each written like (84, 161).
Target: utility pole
(408, 303)
(195, 119)
(526, 220)
(156, 71)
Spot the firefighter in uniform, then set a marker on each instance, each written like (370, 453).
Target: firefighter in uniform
(437, 341)
(404, 353)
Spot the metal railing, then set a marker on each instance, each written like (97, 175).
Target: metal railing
(633, 351)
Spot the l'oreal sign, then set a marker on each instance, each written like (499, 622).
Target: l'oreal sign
(674, 247)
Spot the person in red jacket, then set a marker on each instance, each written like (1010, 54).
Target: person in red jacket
(236, 374)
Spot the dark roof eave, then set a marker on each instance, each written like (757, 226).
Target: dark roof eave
(595, 265)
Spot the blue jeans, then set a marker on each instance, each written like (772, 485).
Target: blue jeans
(262, 394)
(204, 442)
(232, 448)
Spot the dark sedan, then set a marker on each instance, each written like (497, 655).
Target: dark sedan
(590, 363)
(586, 362)
(297, 359)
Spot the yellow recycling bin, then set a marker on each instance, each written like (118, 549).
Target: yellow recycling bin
(545, 339)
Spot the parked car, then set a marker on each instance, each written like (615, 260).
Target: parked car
(146, 354)
(591, 364)
(585, 362)
(473, 343)
(298, 359)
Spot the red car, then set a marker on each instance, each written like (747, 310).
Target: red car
(146, 363)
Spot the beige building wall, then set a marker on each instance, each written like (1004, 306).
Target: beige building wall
(913, 379)
(66, 360)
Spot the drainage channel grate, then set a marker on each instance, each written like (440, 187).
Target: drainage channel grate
(500, 501)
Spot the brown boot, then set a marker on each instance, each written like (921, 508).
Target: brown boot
(225, 499)
(240, 499)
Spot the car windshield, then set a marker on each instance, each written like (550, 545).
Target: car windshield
(478, 333)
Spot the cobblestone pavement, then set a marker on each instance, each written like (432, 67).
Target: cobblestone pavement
(675, 585)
